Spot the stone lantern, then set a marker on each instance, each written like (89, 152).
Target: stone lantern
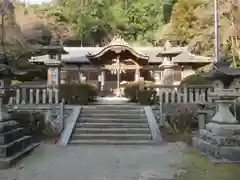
(168, 65)
(221, 138)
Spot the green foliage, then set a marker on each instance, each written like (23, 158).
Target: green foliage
(144, 97)
(195, 79)
(143, 19)
(78, 93)
(141, 22)
(167, 10)
(95, 22)
(131, 91)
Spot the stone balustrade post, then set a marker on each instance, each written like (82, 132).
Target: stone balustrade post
(201, 117)
(24, 95)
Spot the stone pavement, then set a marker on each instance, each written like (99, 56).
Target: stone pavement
(51, 162)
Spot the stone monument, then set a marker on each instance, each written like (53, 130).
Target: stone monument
(221, 138)
(13, 143)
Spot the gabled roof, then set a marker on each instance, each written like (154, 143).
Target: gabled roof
(117, 45)
(187, 57)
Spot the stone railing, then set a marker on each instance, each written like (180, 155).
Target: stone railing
(182, 94)
(33, 94)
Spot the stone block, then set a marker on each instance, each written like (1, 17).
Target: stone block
(225, 154)
(8, 126)
(10, 136)
(228, 141)
(7, 162)
(14, 147)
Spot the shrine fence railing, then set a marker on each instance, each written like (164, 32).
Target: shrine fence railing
(171, 94)
(32, 94)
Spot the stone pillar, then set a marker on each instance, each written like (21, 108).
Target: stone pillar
(53, 79)
(157, 77)
(168, 71)
(53, 71)
(221, 138)
(201, 117)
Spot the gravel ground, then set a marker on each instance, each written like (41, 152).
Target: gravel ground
(51, 162)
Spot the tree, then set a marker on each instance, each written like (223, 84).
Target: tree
(12, 40)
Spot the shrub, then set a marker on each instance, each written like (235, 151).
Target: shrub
(78, 93)
(180, 118)
(195, 79)
(131, 91)
(144, 97)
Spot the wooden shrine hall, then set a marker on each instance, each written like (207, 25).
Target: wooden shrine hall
(118, 62)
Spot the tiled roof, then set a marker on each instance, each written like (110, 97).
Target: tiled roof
(153, 54)
(78, 54)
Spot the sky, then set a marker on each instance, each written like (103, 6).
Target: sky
(35, 1)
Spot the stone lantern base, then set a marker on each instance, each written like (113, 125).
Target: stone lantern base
(221, 138)
(221, 142)
(13, 143)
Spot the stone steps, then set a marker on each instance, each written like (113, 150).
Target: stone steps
(111, 136)
(112, 111)
(113, 125)
(113, 115)
(113, 120)
(113, 107)
(112, 142)
(112, 130)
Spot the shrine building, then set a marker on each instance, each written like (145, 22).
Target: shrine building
(118, 62)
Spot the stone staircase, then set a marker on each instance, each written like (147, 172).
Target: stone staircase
(112, 124)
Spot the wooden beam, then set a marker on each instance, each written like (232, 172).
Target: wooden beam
(122, 67)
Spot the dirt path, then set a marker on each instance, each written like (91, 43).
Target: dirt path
(50, 162)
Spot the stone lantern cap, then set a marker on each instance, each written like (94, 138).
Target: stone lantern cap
(53, 50)
(55, 47)
(222, 72)
(169, 51)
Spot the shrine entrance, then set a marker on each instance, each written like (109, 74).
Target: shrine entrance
(119, 64)
(118, 74)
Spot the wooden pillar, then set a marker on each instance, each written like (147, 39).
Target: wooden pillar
(137, 74)
(102, 79)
